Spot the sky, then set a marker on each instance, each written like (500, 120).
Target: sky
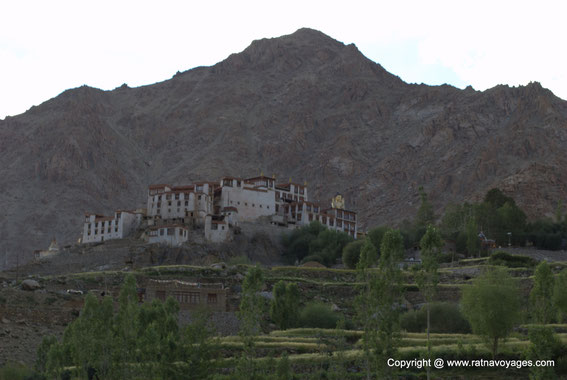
(47, 47)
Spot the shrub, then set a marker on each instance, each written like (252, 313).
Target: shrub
(319, 315)
(351, 253)
(316, 258)
(239, 260)
(445, 318)
(511, 261)
(15, 371)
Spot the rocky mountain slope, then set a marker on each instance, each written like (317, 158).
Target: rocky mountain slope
(303, 106)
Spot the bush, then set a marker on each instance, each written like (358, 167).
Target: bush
(351, 253)
(318, 315)
(15, 371)
(239, 260)
(316, 258)
(445, 318)
(511, 261)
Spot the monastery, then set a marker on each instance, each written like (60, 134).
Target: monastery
(218, 208)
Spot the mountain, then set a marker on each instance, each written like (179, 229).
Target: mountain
(303, 106)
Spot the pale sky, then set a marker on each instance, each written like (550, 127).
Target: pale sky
(47, 47)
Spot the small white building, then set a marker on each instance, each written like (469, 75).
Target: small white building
(98, 228)
(181, 204)
(172, 235)
(252, 199)
(216, 231)
(50, 252)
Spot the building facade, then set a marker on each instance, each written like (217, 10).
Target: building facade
(189, 295)
(98, 228)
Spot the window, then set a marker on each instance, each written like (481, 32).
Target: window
(170, 231)
(169, 203)
(253, 205)
(222, 227)
(211, 298)
(161, 232)
(199, 197)
(238, 183)
(194, 298)
(267, 207)
(186, 203)
(310, 217)
(245, 204)
(238, 202)
(178, 203)
(176, 196)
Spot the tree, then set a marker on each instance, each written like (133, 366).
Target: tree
(544, 345)
(198, 347)
(351, 253)
(425, 213)
(427, 278)
(496, 198)
(473, 244)
(542, 293)
(492, 306)
(376, 235)
(378, 305)
(368, 256)
(284, 309)
(250, 314)
(560, 295)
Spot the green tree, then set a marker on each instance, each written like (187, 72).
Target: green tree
(492, 306)
(473, 243)
(42, 353)
(427, 278)
(560, 295)
(368, 256)
(542, 293)
(351, 253)
(425, 214)
(284, 309)
(544, 345)
(199, 348)
(375, 235)
(378, 305)
(496, 198)
(250, 315)
(283, 369)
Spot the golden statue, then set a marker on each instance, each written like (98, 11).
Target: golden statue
(338, 202)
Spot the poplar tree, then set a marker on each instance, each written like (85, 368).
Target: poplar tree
(427, 278)
(542, 294)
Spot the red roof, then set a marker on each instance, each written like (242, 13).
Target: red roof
(185, 187)
(159, 186)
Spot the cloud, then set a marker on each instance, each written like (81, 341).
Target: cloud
(47, 47)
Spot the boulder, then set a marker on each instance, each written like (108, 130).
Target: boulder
(220, 265)
(30, 285)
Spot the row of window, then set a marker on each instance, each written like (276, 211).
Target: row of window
(96, 231)
(193, 298)
(253, 204)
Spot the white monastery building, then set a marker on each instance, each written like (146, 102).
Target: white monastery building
(218, 207)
